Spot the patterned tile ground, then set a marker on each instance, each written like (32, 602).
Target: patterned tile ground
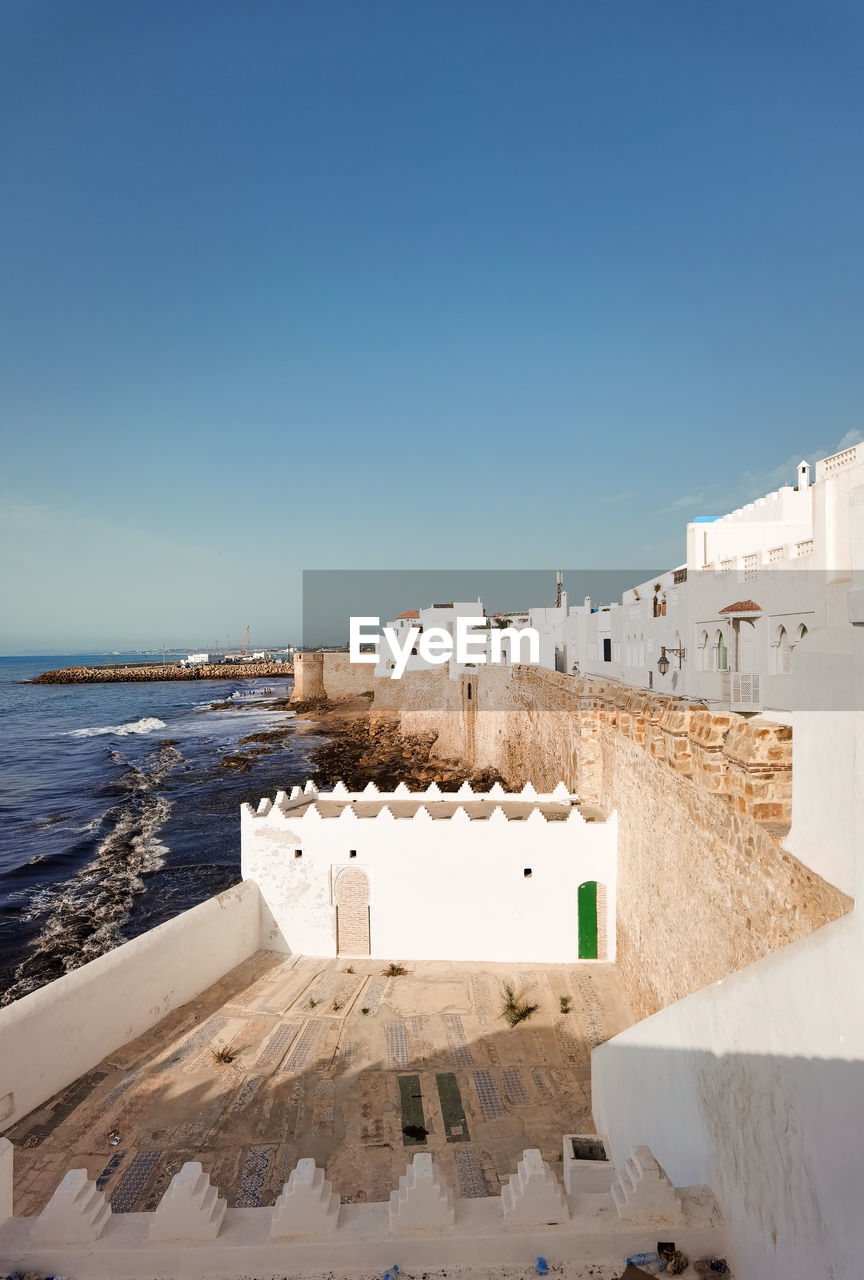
(540, 1082)
(253, 1179)
(487, 1092)
(275, 1048)
(301, 1052)
(67, 1102)
(374, 993)
(569, 1048)
(118, 1091)
(196, 1041)
(110, 1169)
(459, 1052)
(469, 1170)
(326, 1083)
(397, 1044)
(514, 1088)
(593, 1010)
(131, 1183)
(244, 1097)
(480, 996)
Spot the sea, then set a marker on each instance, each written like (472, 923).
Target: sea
(116, 810)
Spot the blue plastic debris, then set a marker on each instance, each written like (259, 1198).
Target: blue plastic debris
(542, 1267)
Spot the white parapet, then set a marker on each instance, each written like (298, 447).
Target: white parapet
(423, 1199)
(533, 1197)
(643, 1193)
(586, 1165)
(191, 1208)
(77, 1213)
(6, 1175)
(307, 1206)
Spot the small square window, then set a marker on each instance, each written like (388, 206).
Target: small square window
(527, 873)
(298, 853)
(352, 853)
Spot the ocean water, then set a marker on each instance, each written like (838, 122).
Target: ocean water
(116, 811)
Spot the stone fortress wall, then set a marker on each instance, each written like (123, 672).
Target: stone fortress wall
(330, 675)
(704, 799)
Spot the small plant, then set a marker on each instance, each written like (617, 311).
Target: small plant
(516, 1009)
(313, 1003)
(223, 1055)
(394, 970)
(337, 1005)
(350, 969)
(365, 1009)
(565, 1004)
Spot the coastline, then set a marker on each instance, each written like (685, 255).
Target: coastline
(358, 750)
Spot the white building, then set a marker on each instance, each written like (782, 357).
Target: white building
(203, 659)
(761, 589)
(425, 875)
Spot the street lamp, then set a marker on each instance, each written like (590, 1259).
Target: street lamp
(663, 661)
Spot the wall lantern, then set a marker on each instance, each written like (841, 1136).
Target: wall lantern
(663, 661)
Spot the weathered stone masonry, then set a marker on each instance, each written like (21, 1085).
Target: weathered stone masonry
(703, 798)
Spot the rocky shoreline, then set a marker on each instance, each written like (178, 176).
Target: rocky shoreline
(164, 671)
(356, 750)
(359, 751)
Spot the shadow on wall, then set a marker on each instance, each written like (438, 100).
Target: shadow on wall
(785, 1133)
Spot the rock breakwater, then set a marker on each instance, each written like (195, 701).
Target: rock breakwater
(164, 671)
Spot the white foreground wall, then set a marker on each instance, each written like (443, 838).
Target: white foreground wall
(54, 1035)
(450, 888)
(77, 1235)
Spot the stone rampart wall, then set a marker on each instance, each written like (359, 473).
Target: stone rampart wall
(330, 675)
(705, 886)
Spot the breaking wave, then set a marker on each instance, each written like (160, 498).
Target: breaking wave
(145, 725)
(82, 918)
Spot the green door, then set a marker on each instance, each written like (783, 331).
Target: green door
(587, 903)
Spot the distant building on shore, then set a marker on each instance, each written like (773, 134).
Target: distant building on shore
(203, 659)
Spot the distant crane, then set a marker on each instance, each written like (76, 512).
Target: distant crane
(245, 640)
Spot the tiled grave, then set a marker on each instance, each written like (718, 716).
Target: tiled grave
(330, 1083)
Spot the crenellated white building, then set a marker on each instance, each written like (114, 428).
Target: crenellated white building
(424, 875)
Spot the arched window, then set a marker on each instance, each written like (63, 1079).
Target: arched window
(721, 653)
(781, 653)
(703, 653)
(800, 633)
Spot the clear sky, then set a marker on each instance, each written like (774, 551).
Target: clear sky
(382, 284)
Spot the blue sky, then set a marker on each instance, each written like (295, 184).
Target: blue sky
(376, 285)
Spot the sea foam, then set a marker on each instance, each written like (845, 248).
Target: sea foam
(145, 725)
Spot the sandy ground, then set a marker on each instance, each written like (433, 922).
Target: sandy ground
(330, 1059)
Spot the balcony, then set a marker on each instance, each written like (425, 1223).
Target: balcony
(739, 690)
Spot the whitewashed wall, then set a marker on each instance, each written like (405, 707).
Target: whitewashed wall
(57, 1033)
(444, 889)
(756, 1084)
